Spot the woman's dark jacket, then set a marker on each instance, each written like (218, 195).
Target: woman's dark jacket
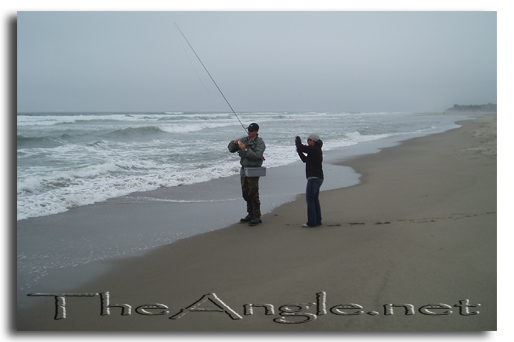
(312, 160)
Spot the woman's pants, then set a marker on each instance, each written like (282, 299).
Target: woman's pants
(313, 206)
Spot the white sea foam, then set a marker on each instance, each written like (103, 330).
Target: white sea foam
(68, 160)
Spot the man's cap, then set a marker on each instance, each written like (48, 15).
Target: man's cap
(253, 127)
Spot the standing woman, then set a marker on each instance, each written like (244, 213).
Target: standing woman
(312, 156)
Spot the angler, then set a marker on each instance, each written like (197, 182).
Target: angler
(251, 150)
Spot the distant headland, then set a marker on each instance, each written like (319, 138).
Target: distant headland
(490, 107)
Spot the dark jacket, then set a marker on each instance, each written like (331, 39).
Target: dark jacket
(312, 160)
(253, 156)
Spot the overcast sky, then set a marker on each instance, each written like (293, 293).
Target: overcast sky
(262, 61)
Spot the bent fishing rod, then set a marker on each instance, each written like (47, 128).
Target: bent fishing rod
(208, 73)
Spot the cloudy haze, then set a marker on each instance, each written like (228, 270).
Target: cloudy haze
(262, 61)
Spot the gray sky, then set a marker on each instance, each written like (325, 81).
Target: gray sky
(262, 61)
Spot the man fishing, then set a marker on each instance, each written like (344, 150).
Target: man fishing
(251, 150)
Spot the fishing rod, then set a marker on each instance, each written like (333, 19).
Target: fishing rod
(213, 81)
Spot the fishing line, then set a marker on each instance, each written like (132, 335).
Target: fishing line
(213, 81)
(187, 53)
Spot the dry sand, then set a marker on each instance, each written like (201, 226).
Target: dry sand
(411, 248)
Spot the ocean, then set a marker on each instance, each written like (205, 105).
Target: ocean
(93, 187)
(68, 160)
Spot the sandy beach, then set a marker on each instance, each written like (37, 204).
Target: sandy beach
(412, 247)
